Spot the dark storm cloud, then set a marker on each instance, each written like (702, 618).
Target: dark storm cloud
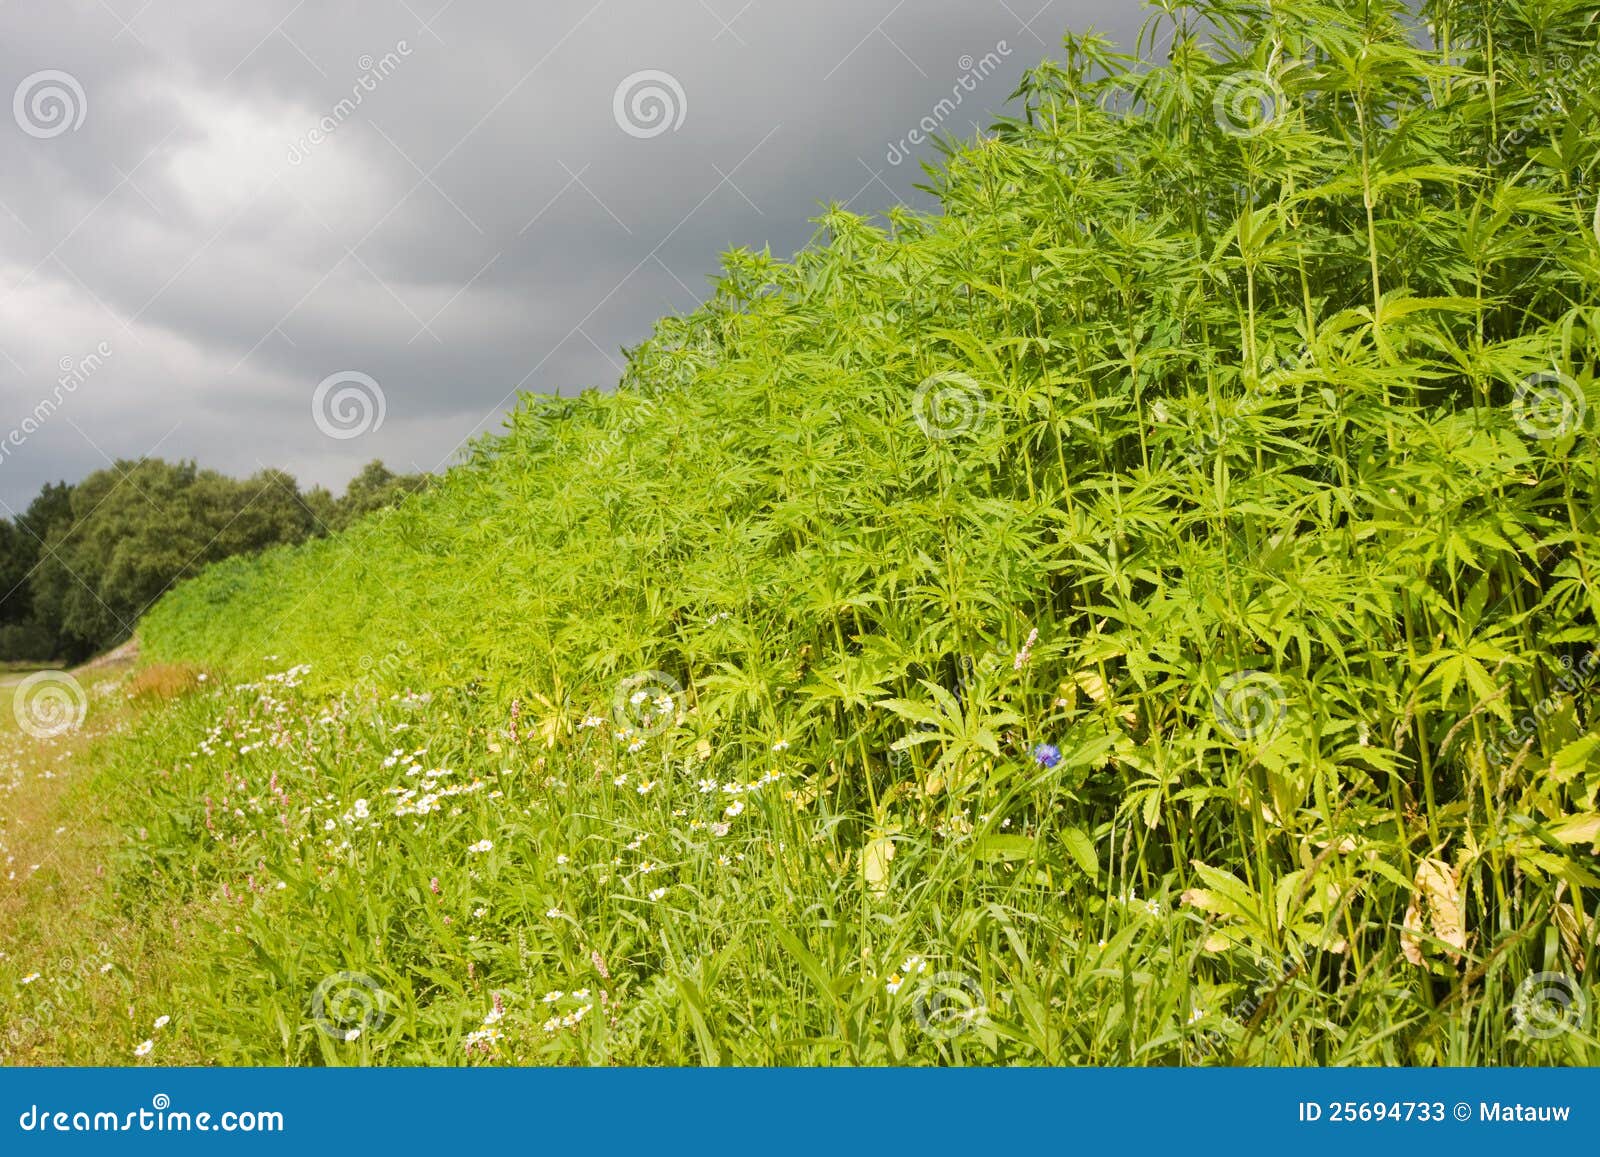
(435, 194)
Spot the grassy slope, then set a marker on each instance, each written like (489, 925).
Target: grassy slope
(1247, 459)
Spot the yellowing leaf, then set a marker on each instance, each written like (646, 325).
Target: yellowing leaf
(1584, 829)
(875, 859)
(1411, 933)
(1438, 897)
(1093, 686)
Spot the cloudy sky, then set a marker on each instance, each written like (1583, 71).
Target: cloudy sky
(210, 210)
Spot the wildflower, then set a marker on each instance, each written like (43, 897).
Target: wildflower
(719, 829)
(161, 1021)
(30, 978)
(553, 914)
(360, 809)
(781, 745)
(143, 1049)
(1047, 754)
(480, 913)
(913, 964)
(734, 808)
(352, 1035)
(481, 846)
(433, 885)
(553, 995)
(657, 894)
(329, 825)
(706, 786)
(562, 858)
(621, 780)
(106, 967)
(646, 787)
(894, 982)
(1027, 651)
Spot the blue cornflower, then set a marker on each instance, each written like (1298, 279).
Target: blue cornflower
(1048, 754)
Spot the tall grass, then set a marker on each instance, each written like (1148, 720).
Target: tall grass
(1260, 385)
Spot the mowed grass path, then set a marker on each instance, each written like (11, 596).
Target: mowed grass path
(67, 995)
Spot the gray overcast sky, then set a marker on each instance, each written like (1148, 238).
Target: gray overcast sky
(484, 218)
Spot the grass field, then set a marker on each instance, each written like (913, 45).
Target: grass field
(1142, 614)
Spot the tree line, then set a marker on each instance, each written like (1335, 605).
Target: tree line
(83, 562)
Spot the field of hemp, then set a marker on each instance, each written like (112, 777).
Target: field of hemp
(1143, 613)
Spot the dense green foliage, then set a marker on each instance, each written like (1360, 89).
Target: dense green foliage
(83, 562)
(1275, 423)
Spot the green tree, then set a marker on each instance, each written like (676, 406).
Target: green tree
(375, 488)
(138, 527)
